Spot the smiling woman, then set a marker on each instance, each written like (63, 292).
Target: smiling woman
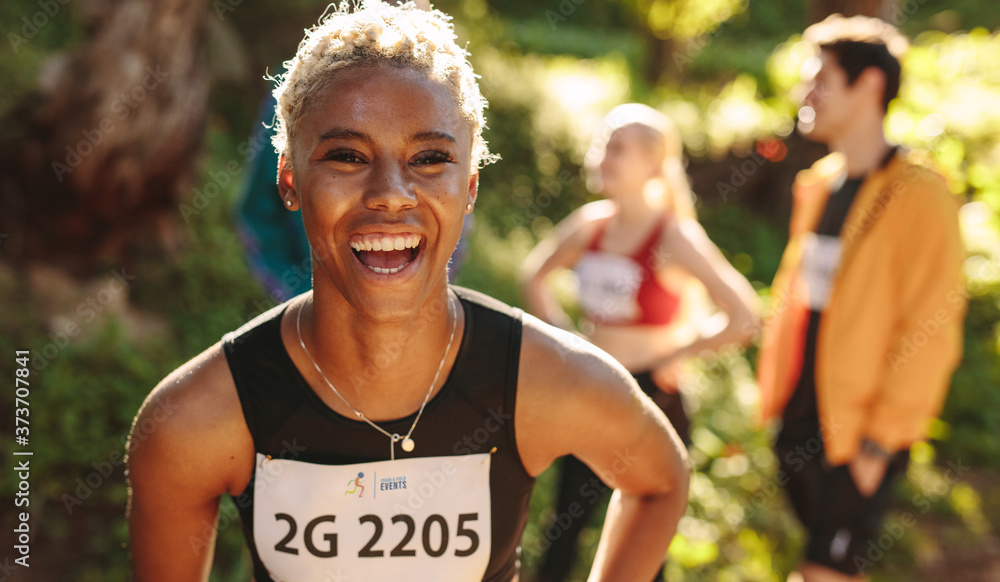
(386, 425)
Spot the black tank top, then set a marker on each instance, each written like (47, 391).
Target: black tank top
(296, 434)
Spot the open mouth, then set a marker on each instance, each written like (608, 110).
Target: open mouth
(384, 253)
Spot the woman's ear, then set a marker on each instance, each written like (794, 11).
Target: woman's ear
(473, 192)
(286, 184)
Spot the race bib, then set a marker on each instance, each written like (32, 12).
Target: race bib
(820, 261)
(609, 285)
(426, 519)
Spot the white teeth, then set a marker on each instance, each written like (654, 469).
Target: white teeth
(386, 243)
(397, 243)
(390, 271)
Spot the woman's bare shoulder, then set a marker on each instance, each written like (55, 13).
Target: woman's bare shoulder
(592, 212)
(193, 418)
(581, 224)
(568, 391)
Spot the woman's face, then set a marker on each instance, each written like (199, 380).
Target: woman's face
(382, 168)
(629, 162)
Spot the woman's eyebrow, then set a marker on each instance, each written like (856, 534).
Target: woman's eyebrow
(346, 134)
(432, 136)
(352, 135)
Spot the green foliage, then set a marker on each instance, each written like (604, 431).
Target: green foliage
(737, 526)
(537, 109)
(30, 36)
(84, 398)
(687, 19)
(723, 536)
(734, 88)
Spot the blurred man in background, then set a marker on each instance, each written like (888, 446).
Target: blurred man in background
(867, 305)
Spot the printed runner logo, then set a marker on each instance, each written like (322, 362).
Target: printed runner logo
(357, 486)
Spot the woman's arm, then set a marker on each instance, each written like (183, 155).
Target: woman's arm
(560, 250)
(691, 249)
(574, 399)
(188, 446)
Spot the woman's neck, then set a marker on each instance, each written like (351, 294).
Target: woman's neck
(374, 359)
(636, 209)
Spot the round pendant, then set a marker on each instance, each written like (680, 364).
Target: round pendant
(408, 445)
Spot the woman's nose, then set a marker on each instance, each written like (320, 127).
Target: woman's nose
(388, 188)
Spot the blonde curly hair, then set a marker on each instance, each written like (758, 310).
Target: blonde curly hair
(378, 34)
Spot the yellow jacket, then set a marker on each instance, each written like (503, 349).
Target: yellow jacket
(891, 334)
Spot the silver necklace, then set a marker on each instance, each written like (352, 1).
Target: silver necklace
(407, 443)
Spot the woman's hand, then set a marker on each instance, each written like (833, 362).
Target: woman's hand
(576, 400)
(691, 249)
(668, 373)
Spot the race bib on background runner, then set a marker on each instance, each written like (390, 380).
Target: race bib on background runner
(609, 286)
(426, 519)
(820, 261)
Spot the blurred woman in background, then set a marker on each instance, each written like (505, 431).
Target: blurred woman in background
(638, 255)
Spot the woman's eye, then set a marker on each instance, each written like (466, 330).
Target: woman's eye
(346, 156)
(433, 157)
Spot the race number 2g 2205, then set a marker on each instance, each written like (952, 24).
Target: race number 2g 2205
(422, 519)
(433, 538)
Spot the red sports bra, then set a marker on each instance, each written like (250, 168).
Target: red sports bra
(620, 289)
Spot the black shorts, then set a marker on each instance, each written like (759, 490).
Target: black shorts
(671, 404)
(840, 521)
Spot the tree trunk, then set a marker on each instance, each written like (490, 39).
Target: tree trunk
(100, 154)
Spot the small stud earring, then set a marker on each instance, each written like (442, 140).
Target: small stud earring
(288, 203)
(468, 206)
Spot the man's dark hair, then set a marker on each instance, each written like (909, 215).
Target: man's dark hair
(854, 57)
(860, 42)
